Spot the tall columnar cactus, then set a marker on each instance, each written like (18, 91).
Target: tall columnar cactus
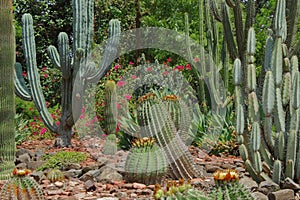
(145, 163)
(70, 66)
(110, 146)
(7, 101)
(110, 110)
(21, 187)
(268, 131)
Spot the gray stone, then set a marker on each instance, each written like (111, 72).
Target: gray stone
(102, 161)
(121, 194)
(89, 185)
(267, 187)
(285, 194)
(73, 173)
(248, 183)
(38, 176)
(290, 184)
(21, 166)
(109, 174)
(90, 175)
(259, 196)
(33, 165)
(89, 168)
(59, 184)
(22, 151)
(68, 166)
(24, 158)
(212, 168)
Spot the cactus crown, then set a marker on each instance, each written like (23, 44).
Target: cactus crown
(143, 142)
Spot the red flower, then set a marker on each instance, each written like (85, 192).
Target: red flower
(169, 60)
(131, 63)
(179, 67)
(196, 59)
(128, 96)
(149, 69)
(121, 83)
(134, 77)
(45, 75)
(188, 67)
(117, 67)
(24, 74)
(43, 130)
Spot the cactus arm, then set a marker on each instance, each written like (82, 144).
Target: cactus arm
(110, 52)
(214, 10)
(21, 89)
(292, 19)
(228, 32)
(33, 76)
(280, 20)
(54, 56)
(239, 27)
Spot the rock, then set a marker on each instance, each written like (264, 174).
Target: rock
(21, 166)
(68, 166)
(286, 194)
(212, 168)
(248, 183)
(89, 168)
(38, 176)
(227, 166)
(128, 185)
(51, 187)
(102, 161)
(24, 158)
(259, 196)
(33, 165)
(90, 185)
(121, 195)
(240, 169)
(138, 186)
(80, 195)
(73, 173)
(109, 174)
(107, 198)
(59, 184)
(73, 183)
(267, 187)
(22, 151)
(290, 184)
(55, 192)
(90, 175)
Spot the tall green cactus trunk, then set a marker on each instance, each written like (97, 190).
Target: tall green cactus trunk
(7, 101)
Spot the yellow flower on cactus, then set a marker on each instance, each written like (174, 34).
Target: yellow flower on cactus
(226, 175)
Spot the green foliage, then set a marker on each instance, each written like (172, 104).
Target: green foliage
(22, 130)
(61, 158)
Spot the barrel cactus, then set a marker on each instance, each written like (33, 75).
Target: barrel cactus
(268, 124)
(145, 162)
(21, 187)
(55, 175)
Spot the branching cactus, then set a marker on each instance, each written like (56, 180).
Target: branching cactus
(268, 125)
(146, 162)
(21, 187)
(70, 65)
(110, 110)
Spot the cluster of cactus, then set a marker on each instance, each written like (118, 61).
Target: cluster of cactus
(178, 190)
(110, 146)
(55, 175)
(73, 67)
(163, 116)
(227, 188)
(21, 187)
(145, 162)
(7, 98)
(268, 125)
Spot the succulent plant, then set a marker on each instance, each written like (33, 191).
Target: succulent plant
(268, 124)
(110, 110)
(55, 175)
(7, 98)
(145, 162)
(21, 187)
(71, 66)
(110, 146)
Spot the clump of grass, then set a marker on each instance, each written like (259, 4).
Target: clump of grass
(61, 158)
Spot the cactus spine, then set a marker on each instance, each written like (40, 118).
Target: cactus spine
(145, 162)
(7, 100)
(21, 187)
(273, 129)
(83, 15)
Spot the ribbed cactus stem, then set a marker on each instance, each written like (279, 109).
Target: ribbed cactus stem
(280, 25)
(110, 110)
(7, 99)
